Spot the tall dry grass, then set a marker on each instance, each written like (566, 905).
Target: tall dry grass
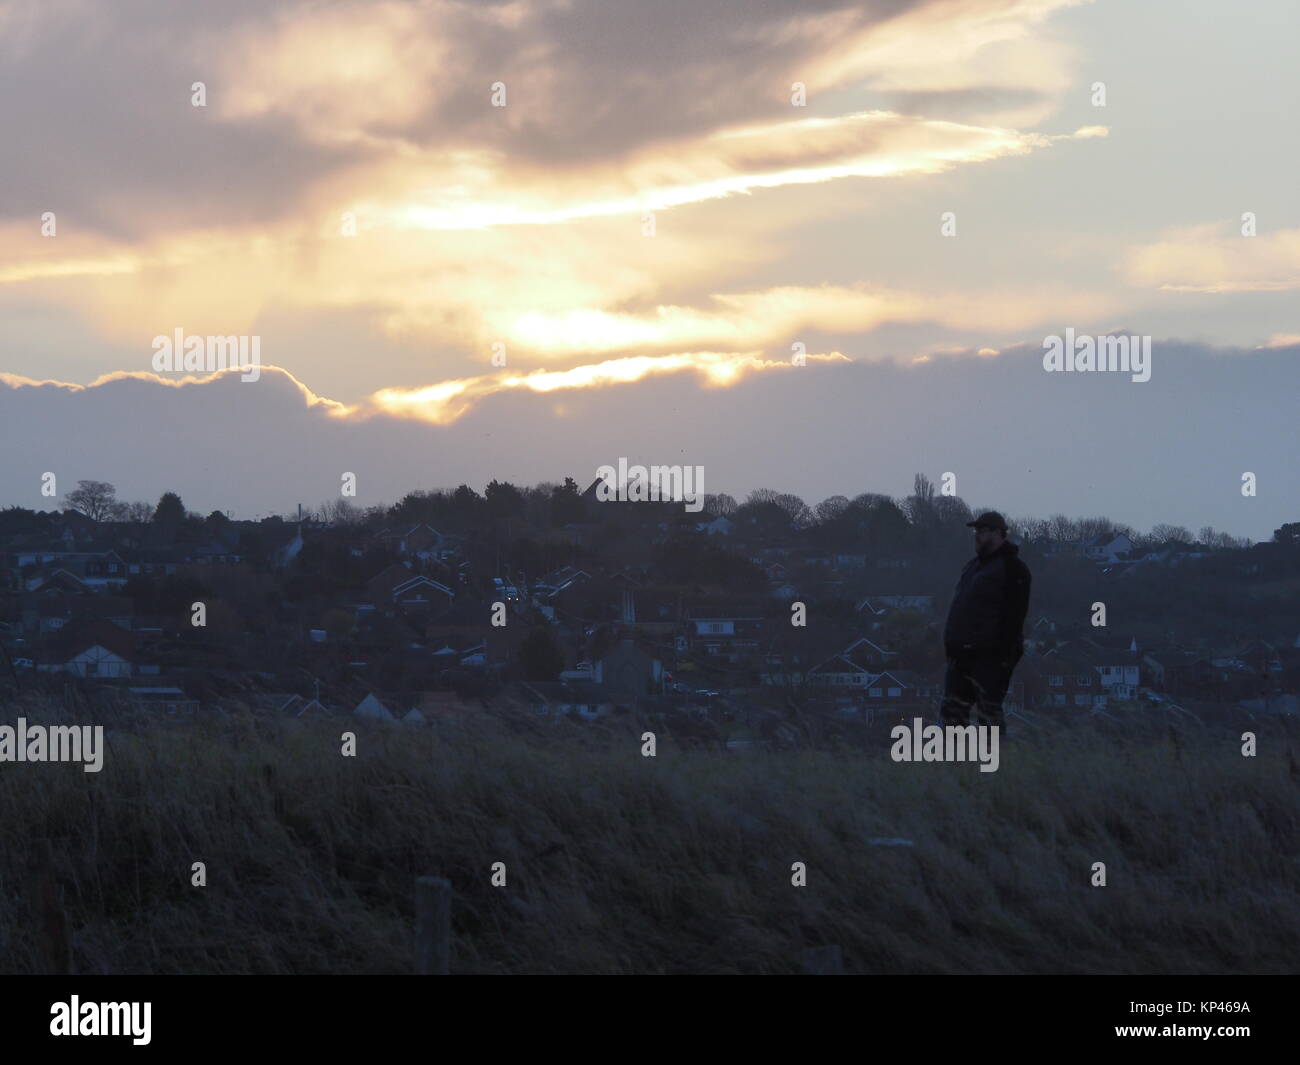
(622, 864)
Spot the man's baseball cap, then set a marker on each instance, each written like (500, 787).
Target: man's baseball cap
(990, 519)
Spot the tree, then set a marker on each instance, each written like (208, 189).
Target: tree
(504, 500)
(1170, 534)
(720, 505)
(1288, 534)
(831, 508)
(94, 499)
(139, 512)
(170, 510)
(341, 512)
(566, 503)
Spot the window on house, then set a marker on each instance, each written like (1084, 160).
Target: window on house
(894, 693)
(874, 693)
(1085, 681)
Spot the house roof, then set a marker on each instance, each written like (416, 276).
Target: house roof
(844, 665)
(72, 641)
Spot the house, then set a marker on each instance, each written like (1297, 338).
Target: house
(554, 584)
(869, 654)
(96, 649)
(901, 686)
(1070, 680)
(628, 669)
(373, 707)
(839, 671)
(650, 611)
(879, 605)
(1181, 673)
(56, 579)
(582, 671)
(419, 541)
(730, 632)
(1084, 673)
(1108, 547)
(396, 588)
(50, 610)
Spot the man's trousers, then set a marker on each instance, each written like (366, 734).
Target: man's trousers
(976, 680)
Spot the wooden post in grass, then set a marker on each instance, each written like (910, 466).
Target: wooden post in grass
(432, 926)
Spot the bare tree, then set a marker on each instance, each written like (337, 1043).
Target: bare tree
(341, 512)
(95, 499)
(139, 512)
(719, 505)
(831, 508)
(1170, 534)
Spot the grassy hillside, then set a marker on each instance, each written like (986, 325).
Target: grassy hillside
(619, 863)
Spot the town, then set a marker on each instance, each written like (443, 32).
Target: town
(548, 602)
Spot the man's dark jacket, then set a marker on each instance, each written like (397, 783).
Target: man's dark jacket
(987, 616)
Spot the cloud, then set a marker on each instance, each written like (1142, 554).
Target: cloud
(226, 219)
(1213, 258)
(254, 447)
(302, 95)
(447, 401)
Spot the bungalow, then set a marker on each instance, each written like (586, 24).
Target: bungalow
(96, 649)
(397, 588)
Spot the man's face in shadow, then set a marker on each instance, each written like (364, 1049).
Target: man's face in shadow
(987, 540)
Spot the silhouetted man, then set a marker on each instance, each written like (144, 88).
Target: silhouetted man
(984, 637)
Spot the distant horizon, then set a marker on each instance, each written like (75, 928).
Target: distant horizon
(312, 511)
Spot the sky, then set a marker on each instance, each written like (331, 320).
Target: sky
(522, 240)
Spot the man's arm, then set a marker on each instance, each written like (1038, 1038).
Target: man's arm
(1015, 606)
